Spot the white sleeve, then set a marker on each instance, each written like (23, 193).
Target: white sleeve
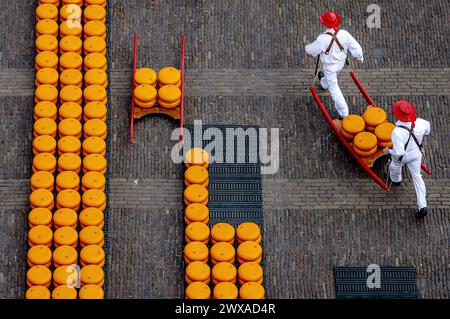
(398, 148)
(315, 48)
(427, 127)
(355, 48)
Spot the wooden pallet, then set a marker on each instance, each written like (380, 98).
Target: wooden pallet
(156, 110)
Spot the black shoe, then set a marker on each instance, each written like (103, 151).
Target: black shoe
(422, 213)
(321, 75)
(391, 183)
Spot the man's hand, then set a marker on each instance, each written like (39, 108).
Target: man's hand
(386, 151)
(360, 61)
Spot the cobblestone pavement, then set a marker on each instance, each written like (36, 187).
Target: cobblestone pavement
(246, 65)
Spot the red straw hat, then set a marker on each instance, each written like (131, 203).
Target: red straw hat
(404, 111)
(330, 19)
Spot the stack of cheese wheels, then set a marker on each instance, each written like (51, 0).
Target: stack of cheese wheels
(42, 198)
(94, 145)
(39, 256)
(249, 251)
(38, 292)
(145, 96)
(46, 92)
(46, 59)
(70, 60)
(196, 213)
(223, 252)
(65, 256)
(92, 275)
(94, 198)
(196, 251)
(383, 132)
(250, 272)
(95, 127)
(43, 180)
(44, 162)
(365, 144)
(45, 109)
(198, 271)
(95, 110)
(47, 27)
(91, 292)
(95, 61)
(69, 162)
(196, 175)
(195, 194)
(94, 12)
(71, 43)
(224, 272)
(44, 144)
(374, 116)
(252, 290)
(169, 96)
(225, 290)
(92, 235)
(95, 2)
(352, 125)
(70, 12)
(222, 232)
(39, 276)
(248, 231)
(145, 76)
(70, 27)
(169, 76)
(93, 180)
(68, 199)
(92, 255)
(198, 290)
(40, 235)
(47, 42)
(196, 157)
(95, 93)
(65, 275)
(197, 232)
(69, 144)
(71, 77)
(95, 28)
(71, 93)
(47, 76)
(64, 292)
(47, 11)
(92, 217)
(94, 45)
(96, 77)
(70, 127)
(40, 216)
(67, 180)
(70, 110)
(94, 163)
(65, 217)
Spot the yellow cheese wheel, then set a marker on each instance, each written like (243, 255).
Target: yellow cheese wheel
(70, 12)
(95, 110)
(94, 45)
(70, 127)
(41, 198)
(70, 110)
(65, 217)
(54, 2)
(44, 162)
(196, 251)
(93, 180)
(222, 232)
(222, 252)
(91, 292)
(365, 153)
(353, 124)
(39, 276)
(94, 145)
(196, 175)
(68, 198)
(198, 290)
(92, 275)
(169, 93)
(71, 77)
(47, 26)
(169, 75)
(96, 77)
(46, 92)
(64, 292)
(249, 251)
(95, 2)
(196, 156)
(65, 276)
(65, 256)
(40, 216)
(145, 76)
(91, 235)
(197, 232)
(44, 144)
(46, 59)
(196, 194)
(252, 290)
(145, 93)
(95, 163)
(94, 12)
(71, 43)
(47, 42)
(67, 180)
(69, 144)
(66, 236)
(385, 144)
(365, 141)
(37, 292)
(69, 162)
(42, 179)
(248, 231)
(95, 127)
(92, 255)
(70, 27)
(45, 126)
(197, 213)
(383, 132)
(225, 290)
(46, 11)
(71, 93)
(144, 105)
(250, 272)
(39, 256)
(45, 109)
(94, 28)
(95, 93)
(198, 271)
(92, 216)
(78, 2)
(40, 235)
(95, 61)
(47, 76)
(169, 105)
(224, 272)
(94, 198)
(374, 116)
(70, 60)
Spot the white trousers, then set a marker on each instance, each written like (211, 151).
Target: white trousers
(330, 82)
(414, 167)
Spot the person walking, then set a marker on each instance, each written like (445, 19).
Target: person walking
(407, 148)
(333, 46)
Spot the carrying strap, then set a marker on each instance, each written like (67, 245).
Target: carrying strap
(334, 39)
(411, 134)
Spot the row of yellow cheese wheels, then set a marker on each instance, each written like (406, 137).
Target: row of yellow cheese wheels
(368, 132)
(222, 255)
(168, 94)
(68, 201)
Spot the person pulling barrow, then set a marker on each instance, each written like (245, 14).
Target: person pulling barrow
(332, 47)
(407, 149)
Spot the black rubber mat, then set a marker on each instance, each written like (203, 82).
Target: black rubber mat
(395, 283)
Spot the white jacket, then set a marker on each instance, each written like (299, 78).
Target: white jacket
(400, 137)
(335, 60)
